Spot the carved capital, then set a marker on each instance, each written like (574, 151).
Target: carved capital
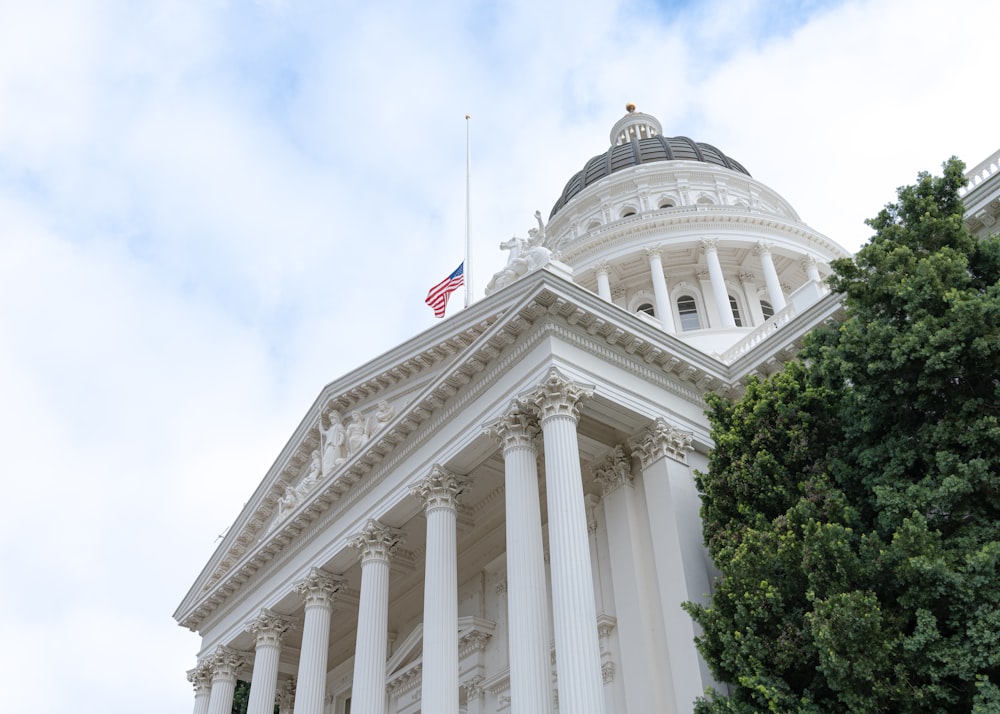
(603, 267)
(440, 489)
(225, 663)
(376, 542)
(808, 261)
(318, 587)
(557, 396)
(201, 678)
(474, 687)
(269, 627)
(615, 471)
(654, 251)
(660, 440)
(516, 428)
(710, 244)
(762, 248)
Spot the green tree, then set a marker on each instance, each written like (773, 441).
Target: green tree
(852, 502)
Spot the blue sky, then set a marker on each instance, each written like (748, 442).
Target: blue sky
(208, 210)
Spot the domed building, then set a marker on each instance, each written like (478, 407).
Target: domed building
(500, 515)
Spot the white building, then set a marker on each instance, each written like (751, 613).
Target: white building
(499, 515)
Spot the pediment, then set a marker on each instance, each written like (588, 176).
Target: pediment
(419, 380)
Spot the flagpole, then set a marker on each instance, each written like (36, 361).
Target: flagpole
(468, 235)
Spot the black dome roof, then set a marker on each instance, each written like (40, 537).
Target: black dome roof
(643, 151)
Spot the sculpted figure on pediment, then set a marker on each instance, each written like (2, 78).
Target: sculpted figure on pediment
(358, 432)
(383, 414)
(332, 441)
(525, 256)
(313, 475)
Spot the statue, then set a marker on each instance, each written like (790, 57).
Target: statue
(358, 432)
(383, 414)
(287, 503)
(313, 475)
(525, 256)
(332, 442)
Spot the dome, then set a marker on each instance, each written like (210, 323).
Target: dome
(637, 139)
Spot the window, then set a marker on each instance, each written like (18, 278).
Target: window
(688, 311)
(736, 311)
(646, 308)
(628, 212)
(767, 309)
(666, 203)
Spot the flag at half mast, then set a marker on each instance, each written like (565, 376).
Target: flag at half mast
(437, 298)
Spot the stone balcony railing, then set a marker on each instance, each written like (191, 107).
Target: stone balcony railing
(981, 173)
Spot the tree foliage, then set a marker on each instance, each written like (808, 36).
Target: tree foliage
(852, 501)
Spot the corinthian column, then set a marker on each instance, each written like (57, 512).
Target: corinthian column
(318, 590)
(672, 505)
(375, 545)
(578, 655)
(440, 492)
(224, 663)
(711, 248)
(201, 678)
(603, 283)
(774, 294)
(269, 629)
(660, 293)
(527, 610)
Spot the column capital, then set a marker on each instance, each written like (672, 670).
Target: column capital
(709, 244)
(557, 396)
(615, 471)
(318, 587)
(201, 677)
(440, 488)
(763, 247)
(654, 251)
(603, 267)
(269, 627)
(808, 261)
(376, 542)
(659, 440)
(516, 428)
(224, 663)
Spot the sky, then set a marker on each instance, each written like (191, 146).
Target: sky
(210, 209)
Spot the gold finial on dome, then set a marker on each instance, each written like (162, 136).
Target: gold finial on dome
(630, 107)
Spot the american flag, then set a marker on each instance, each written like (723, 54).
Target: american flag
(437, 298)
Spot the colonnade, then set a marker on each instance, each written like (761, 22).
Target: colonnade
(710, 247)
(552, 409)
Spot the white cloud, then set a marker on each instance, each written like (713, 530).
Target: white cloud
(208, 211)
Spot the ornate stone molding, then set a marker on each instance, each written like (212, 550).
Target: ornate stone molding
(615, 471)
(557, 396)
(440, 489)
(376, 542)
(318, 587)
(516, 428)
(762, 248)
(474, 687)
(654, 251)
(269, 627)
(710, 244)
(224, 663)
(660, 440)
(603, 267)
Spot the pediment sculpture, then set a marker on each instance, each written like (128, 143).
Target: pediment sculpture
(525, 256)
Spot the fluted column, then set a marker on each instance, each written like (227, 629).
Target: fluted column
(672, 505)
(318, 590)
(603, 283)
(224, 663)
(201, 678)
(375, 545)
(527, 609)
(774, 294)
(578, 656)
(269, 628)
(440, 492)
(660, 293)
(711, 248)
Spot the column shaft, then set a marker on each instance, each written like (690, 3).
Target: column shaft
(527, 607)
(578, 655)
(225, 664)
(718, 282)
(201, 678)
(269, 629)
(318, 590)
(660, 292)
(603, 284)
(770, 276)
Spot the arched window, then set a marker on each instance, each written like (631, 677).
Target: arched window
(628, 212)
(687, 308)
(646, 308)
(767, 309)
(666, 203)
(736, 311)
